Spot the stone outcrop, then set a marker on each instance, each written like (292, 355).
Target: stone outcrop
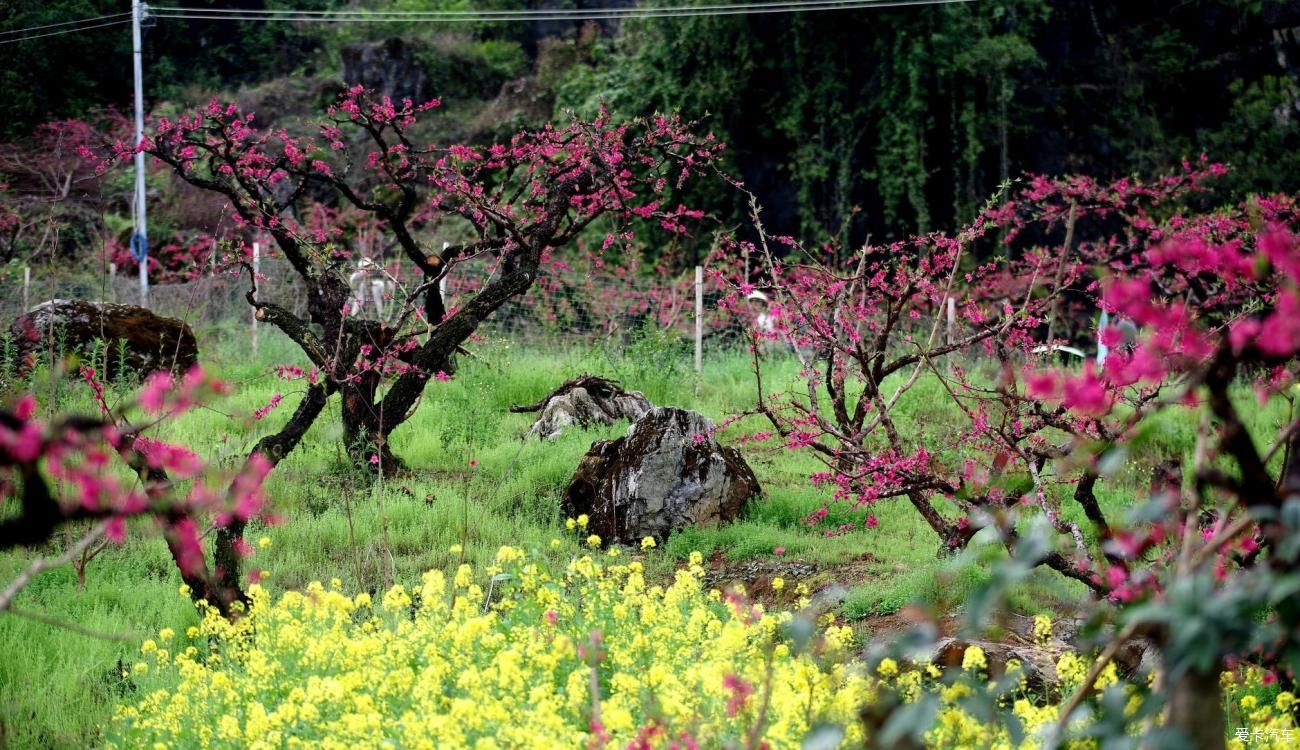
(665, 474)
(583, 402)
(390, 67)
(121, 337)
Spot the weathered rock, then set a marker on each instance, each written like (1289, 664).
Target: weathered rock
(130, 338)
(1037, 663)
(1038, 658)
(584, 401)
(391, 67)
(665, 474)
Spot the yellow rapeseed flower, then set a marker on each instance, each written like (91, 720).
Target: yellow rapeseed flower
(973, 659)
(1042, 628)
(319, 669)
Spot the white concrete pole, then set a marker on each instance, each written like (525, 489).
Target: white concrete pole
(952, 320)
(140, 245)
(699, 321)
(257, 273)
(442, 283)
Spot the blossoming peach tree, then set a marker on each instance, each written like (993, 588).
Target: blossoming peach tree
(521, 201)
(73, 469)
(1201, 567)
(518, 201)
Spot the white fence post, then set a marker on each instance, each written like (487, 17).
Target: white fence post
(950, 332)
(27, 286)
(442, 283)
(112, 282)
(699, 326)
(257, 271)
(952, 321)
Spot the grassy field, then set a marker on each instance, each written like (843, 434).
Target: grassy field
(58, 686)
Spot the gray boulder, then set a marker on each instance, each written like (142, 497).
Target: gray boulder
(665, 474)
(583, 402)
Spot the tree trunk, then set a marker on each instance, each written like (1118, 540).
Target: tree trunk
(226, 556)
(363, 426)
(1196, 709)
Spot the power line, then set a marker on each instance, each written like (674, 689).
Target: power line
(125, 14)
(63, 31)
(14, 36)
(781, 5)
(454, 16)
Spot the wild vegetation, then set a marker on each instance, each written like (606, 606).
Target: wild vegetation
(1030, 461)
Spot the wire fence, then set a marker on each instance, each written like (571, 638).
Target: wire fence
(565, 308)
(206, 302)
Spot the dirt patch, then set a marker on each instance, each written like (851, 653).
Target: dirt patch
(757, 577)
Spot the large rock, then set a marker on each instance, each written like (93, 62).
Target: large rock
(391, 67)
(129, 338)
(583, 402)
(666, 473)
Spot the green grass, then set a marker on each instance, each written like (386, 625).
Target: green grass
(57, 687)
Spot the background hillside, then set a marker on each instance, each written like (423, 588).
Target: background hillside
(913, 117)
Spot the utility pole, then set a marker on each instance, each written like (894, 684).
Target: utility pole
(140, 240)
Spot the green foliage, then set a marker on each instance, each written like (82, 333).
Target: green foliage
(653, 360)
(466, 69)
(879, 122)
(335, 520)
(67, 75)
(913, 115)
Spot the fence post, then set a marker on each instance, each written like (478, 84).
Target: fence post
(442, 283)
(951, 331)
(257, 271)
(699, 326)
(952, 321)
(112, 282)
(27, 285)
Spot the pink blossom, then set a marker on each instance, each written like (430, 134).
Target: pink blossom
(153, 395)
(261, 413)
(25, 444)
(740, 692)
(1086, 393)
(25, 409)
(115, 529)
